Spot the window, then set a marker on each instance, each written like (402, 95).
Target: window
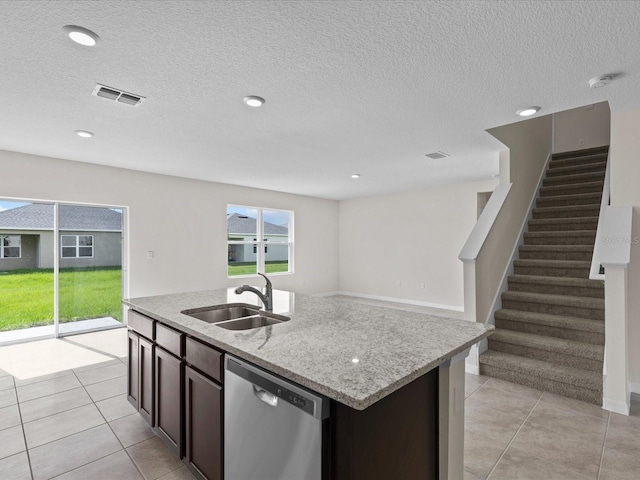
(259, 240)
(10, 246)
(77, 246)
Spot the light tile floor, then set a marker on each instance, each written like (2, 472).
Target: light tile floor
(64, 415)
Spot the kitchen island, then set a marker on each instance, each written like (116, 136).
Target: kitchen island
(395, 378)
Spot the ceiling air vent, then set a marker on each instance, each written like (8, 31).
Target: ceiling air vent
(114, 94)
(437, 155)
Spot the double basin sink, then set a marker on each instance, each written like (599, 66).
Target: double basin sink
(236, 316)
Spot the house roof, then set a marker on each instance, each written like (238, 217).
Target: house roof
(237, 224)
(39, 216)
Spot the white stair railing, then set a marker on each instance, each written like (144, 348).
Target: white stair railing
(596, 259)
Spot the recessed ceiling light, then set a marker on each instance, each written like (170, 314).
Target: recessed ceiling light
(253, 101)
(81, 35)
(84, 133)
(355, 360)
(355, 175)
(528, 111)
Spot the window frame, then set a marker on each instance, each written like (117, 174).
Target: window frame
(77, 246)
(260, 246)
(3, 247)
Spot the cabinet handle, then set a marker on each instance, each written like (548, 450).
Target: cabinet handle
(266, 397)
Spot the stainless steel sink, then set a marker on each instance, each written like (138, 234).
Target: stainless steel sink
(254, 321)
(221, 313)
(235, 316)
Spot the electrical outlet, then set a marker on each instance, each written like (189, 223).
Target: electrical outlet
(581, 142)
(422, 285)
(150, 255)
(399, 283)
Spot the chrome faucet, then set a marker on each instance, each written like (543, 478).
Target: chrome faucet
(266, 299)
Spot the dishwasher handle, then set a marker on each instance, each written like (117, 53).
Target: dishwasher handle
(264, 396)
(274, 390)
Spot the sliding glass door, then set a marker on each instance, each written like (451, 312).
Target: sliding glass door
(61, 269)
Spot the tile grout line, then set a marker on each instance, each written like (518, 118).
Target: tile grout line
(114, 433)
(604, 443)
(24, 435)
(514, 436)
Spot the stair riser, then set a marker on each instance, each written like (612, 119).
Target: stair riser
(557, 201)
(543, 255)
(556, 332)
(593, 314)
(571, 179)
(570, 190)
(576, 161)
(577, 169)
(583, 212)
(556, 289)
(579, 393)
(546, 356)
(560, 240)
(552, 272)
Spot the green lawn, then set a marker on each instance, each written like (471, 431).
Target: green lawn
(249, 268)
(26, 296)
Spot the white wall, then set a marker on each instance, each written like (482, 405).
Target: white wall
(625, 177)
(583, 127)
(183, 221)
(392, 244)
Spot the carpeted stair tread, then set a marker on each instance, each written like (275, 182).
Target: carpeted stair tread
(568, 237)
(549, 344)
(571, 169)
(556, 248)
(548, 320)
(544, 298)
(573, 188)
(557, 252)
(570, 179)
(601, 150)
(558, 281)
(567, 211)
(538, 368)
(552, 263)
(563, 224)
(569, 162)
(569, 199)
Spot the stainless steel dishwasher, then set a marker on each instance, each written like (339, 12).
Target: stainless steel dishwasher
(272, 428)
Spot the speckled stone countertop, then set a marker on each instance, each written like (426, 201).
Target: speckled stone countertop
(317, 347)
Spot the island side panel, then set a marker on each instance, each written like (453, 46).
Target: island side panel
(397, 437)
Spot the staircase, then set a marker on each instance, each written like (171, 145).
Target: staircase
(550, 331)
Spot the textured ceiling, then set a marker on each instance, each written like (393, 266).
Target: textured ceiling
(363, 87)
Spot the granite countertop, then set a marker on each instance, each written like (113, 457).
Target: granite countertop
(317, 347)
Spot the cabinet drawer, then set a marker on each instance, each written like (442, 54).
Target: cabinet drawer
(204, 358)
(141, 324)
(170, 340)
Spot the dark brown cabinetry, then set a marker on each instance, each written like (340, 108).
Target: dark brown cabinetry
(140, 375)
(169, 397)
(203, 415)
(175, 383)
(145, 372)
(133, 379)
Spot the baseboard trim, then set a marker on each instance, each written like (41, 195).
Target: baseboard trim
(616, 406)
(634, 387)
(455, 308)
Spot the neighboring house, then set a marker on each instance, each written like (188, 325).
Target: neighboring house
(89, 237)
(242, 228)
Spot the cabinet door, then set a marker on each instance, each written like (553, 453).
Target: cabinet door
(168, 409)
(145, 369)
(133, 385)
(203, 425)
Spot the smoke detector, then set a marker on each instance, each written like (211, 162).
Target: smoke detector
(437, 155)
(117, 95)
(601, 81)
